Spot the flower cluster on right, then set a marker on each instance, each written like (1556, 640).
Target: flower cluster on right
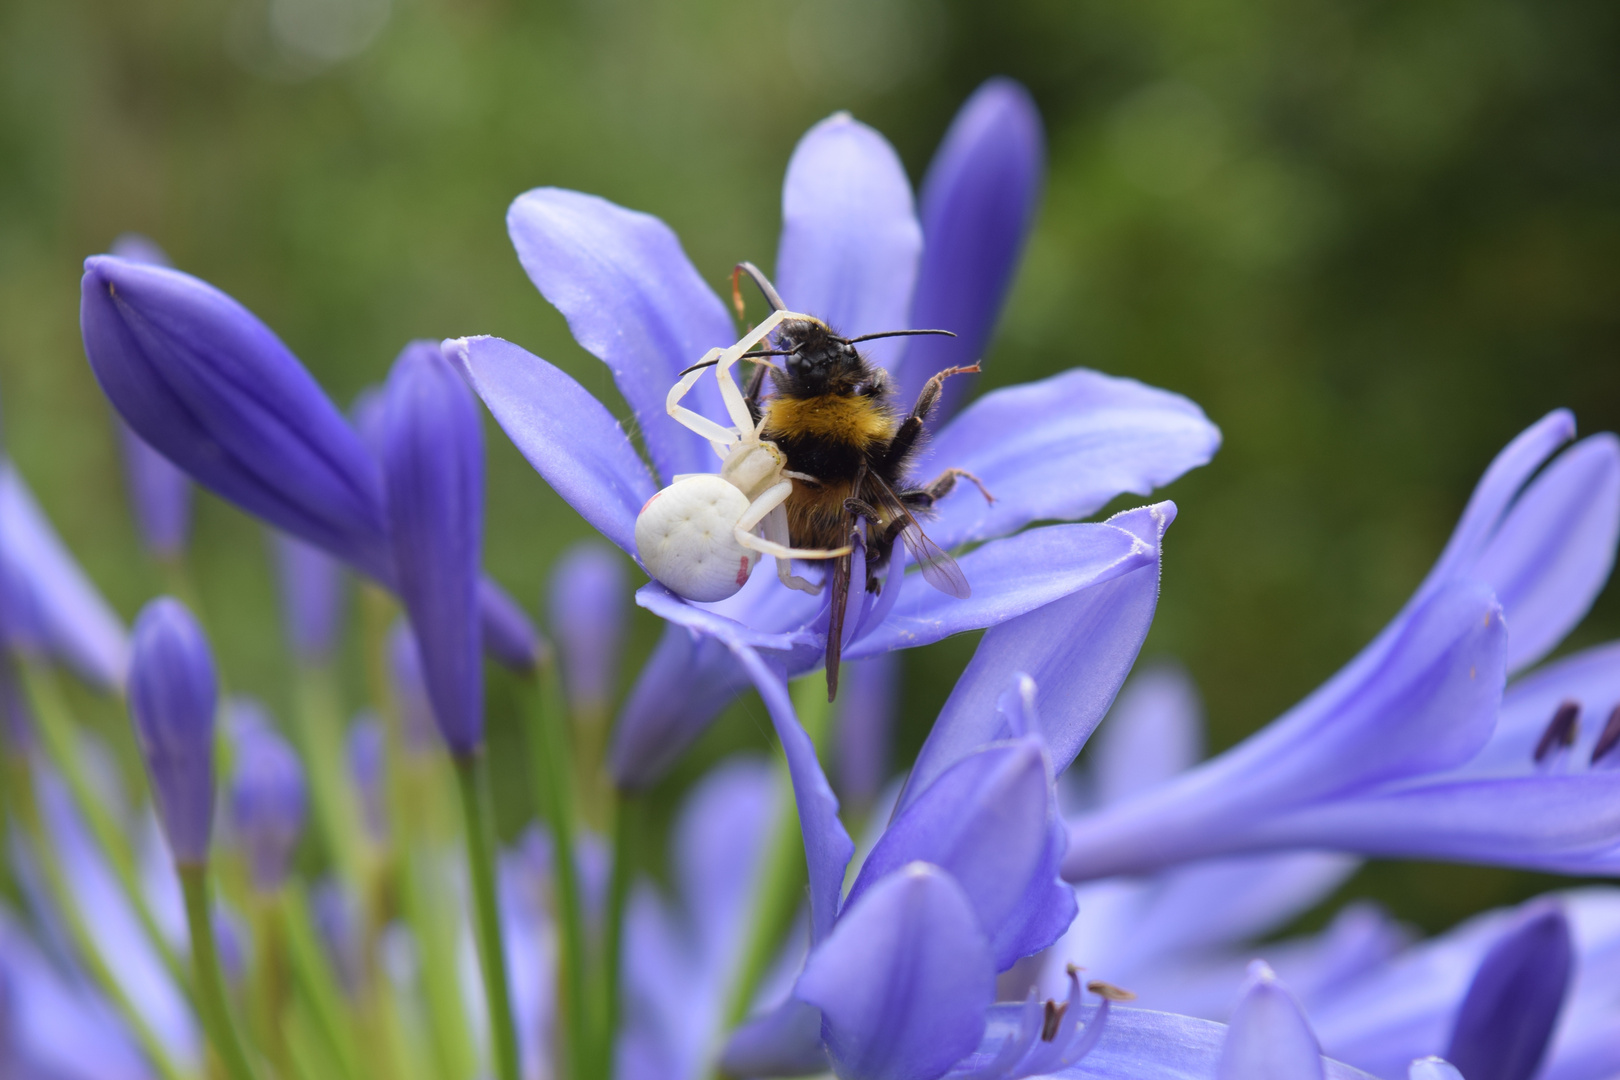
(196, 889)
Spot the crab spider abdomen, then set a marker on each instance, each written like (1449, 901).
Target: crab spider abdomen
(685, 536)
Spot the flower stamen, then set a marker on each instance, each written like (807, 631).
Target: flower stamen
(1561, 731)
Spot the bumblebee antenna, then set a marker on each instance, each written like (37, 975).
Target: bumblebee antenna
(898, 333)
(757, 357)
(764, 283)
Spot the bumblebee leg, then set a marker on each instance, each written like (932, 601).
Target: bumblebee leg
(905, 439)
(942, 485)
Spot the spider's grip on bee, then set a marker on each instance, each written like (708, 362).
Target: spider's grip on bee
(800, 469)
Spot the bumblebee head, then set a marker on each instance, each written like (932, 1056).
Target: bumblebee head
(817, 361)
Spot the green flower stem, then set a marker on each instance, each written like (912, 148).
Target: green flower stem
(19, 786)
(59, 735)
(212, 1002)
(402, 872)
(550, 765)
(268, 985)
(312, 972)
(625, 825)
(472, 775)
(319, 720)
(779, 887)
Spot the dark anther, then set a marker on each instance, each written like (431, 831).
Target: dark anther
(1610, 737)
(1054, 1017)
(1561, 729)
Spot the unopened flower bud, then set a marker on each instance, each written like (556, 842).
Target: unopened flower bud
(433, 470)
(172, 695)
(269, 804)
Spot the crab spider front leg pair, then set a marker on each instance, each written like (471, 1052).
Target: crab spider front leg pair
(697, 536)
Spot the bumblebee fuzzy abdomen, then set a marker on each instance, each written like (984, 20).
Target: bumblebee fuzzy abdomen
(828, 436)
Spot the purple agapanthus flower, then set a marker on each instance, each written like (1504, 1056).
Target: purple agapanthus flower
(1179, 938)
(852, 251)
(1412, 749)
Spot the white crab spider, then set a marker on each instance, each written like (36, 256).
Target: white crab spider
(703, 534)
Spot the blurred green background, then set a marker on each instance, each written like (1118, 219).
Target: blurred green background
(1373, 239)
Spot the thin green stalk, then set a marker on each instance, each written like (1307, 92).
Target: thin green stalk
(59, 735)
(319, 721)
(779, 886)
(211, 1000)
(412, 787)
(550, 761)
(316, 981)
(625, 824)
(20, 786)
(472, 776)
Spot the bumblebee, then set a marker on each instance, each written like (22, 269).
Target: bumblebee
(831, 413)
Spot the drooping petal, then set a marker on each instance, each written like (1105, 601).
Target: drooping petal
(173, 691)
(827, 846)
(633, 300)
(1433, 1068)
(1428, 705)
(978, 202)
(1061, 449)
(1553, 552)
(1506, 1019)
(850, 236)
(63, 609)
(1078, 650)
(589, 610)
(904, 982)
(990, 821)
(1010, 577)
(433, 463)
(1154, 731)
(1268, 1037)
(563, 431)
(212, 389)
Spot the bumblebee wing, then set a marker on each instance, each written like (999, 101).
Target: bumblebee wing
(937, 566)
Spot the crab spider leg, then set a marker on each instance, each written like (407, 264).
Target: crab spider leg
(775, 529)
(721, 437)
(773, 497)
(736, 404)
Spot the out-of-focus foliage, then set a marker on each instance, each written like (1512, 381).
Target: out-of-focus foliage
(1373, 239)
